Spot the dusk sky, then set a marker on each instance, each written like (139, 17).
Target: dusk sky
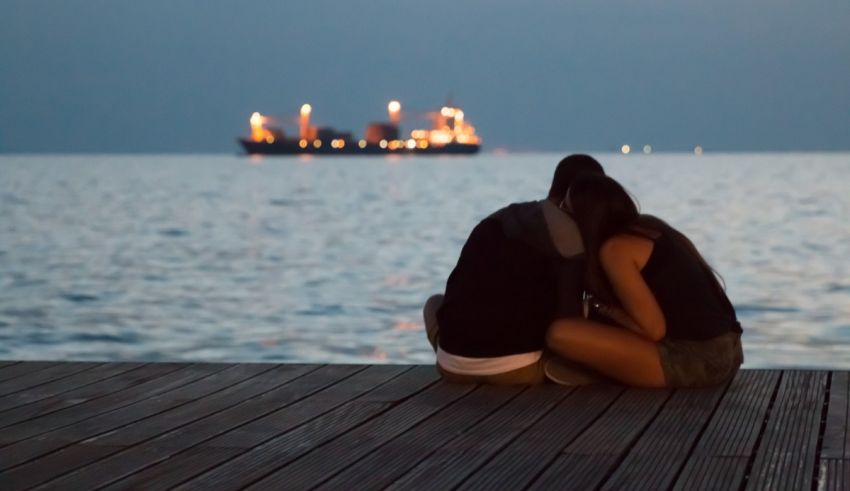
(172, 76)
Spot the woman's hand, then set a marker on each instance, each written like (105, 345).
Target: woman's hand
(615, 314)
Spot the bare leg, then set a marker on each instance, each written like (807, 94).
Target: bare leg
(614, 351)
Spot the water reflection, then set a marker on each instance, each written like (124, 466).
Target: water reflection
(220, 258)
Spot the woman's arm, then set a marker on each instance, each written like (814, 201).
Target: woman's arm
(617, 315)
(622, 258)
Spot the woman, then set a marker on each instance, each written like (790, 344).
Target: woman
(681, 329)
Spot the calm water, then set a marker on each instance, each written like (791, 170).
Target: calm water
(329, 260)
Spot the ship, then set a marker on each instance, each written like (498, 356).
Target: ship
(451, 133)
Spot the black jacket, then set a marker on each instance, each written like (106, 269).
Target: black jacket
(509, 283)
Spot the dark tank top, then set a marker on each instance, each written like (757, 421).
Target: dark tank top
(694, 308)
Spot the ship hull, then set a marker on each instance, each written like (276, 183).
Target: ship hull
(291, 147)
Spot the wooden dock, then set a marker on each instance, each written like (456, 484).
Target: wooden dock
(332, 427)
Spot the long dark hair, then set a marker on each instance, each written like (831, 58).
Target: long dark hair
(602, 208)
(568, 168)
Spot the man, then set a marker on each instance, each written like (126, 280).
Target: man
(521, 268)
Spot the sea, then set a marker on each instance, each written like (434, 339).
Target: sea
(329, 260)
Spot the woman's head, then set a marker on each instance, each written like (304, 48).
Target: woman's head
(600, 207)
(568, 168)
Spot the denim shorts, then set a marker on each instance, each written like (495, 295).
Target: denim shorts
(690, 363)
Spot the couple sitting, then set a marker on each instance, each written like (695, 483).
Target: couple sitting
(581, 287)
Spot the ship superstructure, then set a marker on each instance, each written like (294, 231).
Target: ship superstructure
(451, 133)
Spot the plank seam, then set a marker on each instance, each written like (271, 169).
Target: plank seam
(578, 435)
(448, 442)
(625, 453)
(353, 428)
(459, 435)
(700, 434)
(259, 416)
(71, 389)
(50, 380)
(757, 445)
(398, 402)
(40, 456)
(510, 441)
(821, 433)
(176, 369)
(49, 365)
(142, 442)
(294, 428)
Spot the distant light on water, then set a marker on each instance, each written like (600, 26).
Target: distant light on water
(697, 150)
(647, 149)
(626, 149)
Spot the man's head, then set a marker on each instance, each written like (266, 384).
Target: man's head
(568, 168)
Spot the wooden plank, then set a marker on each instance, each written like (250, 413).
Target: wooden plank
(335, 456)
(151, 427)
(173, 471)
(285, 448)
(786, 456)
(85, 393)
(720, 458)
(233, 405)
(834, 475)
(370, 384)
(198, 459)
(66, 384)
(835, 437)
(40, 377)
(516, 466)
(64, 427)
(214, 393)
(158, 438)
(402, 454)
(171, 377)
(587, 461)
(671, 434)
(24, 368)
(462, 456)
(834, 468)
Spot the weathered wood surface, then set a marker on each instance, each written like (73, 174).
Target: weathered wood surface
(264, 426)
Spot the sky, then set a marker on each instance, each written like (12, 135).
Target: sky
(164, 76)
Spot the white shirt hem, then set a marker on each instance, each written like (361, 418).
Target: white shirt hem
(463, 365)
